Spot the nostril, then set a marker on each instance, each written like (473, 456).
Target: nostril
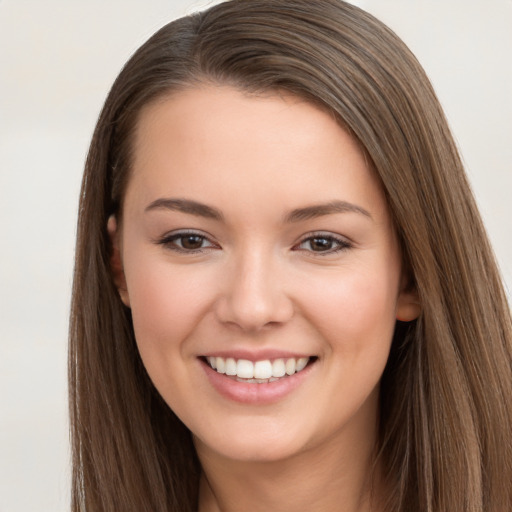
(254, 312)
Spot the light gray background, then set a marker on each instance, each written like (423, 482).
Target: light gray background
(57, 62)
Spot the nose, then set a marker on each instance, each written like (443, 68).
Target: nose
(254, 294)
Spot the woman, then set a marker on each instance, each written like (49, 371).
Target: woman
(284, 297)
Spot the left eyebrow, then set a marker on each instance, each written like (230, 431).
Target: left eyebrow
(319, 210)
(185, 206)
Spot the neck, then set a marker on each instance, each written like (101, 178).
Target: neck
(336, 477)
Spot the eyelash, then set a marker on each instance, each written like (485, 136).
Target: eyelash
(169, 242)
(342, 243)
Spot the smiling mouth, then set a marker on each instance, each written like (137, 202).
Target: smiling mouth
(258, 372)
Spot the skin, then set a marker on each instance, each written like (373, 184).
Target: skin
(261, 281)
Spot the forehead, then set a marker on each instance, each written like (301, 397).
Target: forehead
(219, 138)
(209, 113)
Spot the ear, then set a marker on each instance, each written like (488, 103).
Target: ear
(116, 264)
(408, 305)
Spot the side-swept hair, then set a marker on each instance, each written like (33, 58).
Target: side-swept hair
(445, 439)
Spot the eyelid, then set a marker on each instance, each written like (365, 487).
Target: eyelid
(168, 239)
(343, 242)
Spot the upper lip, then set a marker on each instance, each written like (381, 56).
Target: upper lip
(259, 355)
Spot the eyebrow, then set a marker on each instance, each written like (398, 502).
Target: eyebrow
(319, 210)
(185, 206)
(297, 215)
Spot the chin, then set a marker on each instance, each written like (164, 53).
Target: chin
(258, 442)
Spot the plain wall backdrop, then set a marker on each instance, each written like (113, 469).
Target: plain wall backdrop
(57, 62)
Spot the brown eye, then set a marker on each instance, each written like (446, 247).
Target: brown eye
(191, 242)
(187, 242)
(323, 244)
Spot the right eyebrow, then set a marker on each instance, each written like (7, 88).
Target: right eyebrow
(319, 210)
(185, 206)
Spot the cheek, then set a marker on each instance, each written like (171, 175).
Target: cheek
(166, 303)
(354, 309)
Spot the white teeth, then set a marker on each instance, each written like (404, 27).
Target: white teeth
(230, 366)
(220, 365)
(278, 368)
(301, 363)
(290, 366)
(263, 371)
(245, 369)
(256, 381)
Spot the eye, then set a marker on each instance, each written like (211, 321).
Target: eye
(186, 242)
(323, 243)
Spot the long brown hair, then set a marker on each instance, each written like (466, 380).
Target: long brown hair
(445, 439)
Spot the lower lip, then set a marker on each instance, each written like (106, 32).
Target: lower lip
(253, 393)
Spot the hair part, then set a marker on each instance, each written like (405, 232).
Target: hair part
(446, 413)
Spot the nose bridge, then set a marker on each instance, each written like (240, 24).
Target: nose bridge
(255, 295)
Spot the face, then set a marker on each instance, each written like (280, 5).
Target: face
(259, 260)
